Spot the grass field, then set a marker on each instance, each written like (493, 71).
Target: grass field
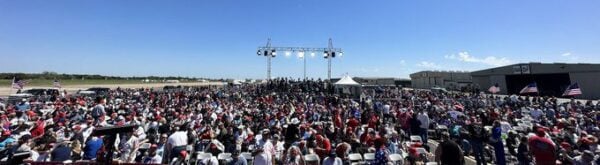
(45, 82)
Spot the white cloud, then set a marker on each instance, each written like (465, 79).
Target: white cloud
(428, 65)
(569, 57)
(489, 60)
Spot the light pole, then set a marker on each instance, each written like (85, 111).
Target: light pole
(329, 54)
(270, 52)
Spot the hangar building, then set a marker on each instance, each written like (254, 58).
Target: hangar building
(551, 78)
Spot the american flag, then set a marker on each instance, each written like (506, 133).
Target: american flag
(531, 88)
(56, 84)
(494, 89)
(572, 90)
(18, 84)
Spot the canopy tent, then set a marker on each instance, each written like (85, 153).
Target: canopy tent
(346, 81)
(347, 86)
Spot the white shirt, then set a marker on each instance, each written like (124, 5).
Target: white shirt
(424, 119)
(177, 139)
(211, 161)
(156, 159)
(263, 158)
(386, 109)
(267, 146)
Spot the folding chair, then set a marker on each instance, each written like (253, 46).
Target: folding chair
(311, 159)
(397, 159)
(369, 157)
(416, 139)
(224, 158)
(248, 157)
(355, 158)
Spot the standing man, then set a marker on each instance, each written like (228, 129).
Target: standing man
(176, 143)
(424, 119)
(98, 110)
(448, 152)
(477, 137)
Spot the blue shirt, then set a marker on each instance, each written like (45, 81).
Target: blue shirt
(91, 148)
(61, 153)
(380, 157)
(23, 107)
(6, 141)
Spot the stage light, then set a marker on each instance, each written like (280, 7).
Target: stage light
(312, 54)
(287, 53)
(301, 54)
(259, 52)
(341, 54)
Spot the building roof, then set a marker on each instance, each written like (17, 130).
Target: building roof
(539, 68)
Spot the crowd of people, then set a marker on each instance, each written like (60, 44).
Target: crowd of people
(281, 121)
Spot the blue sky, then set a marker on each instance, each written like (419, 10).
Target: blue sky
(218, 39)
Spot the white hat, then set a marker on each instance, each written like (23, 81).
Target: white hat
(295, 121)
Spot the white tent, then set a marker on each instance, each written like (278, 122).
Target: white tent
(348, 86)
(346, 81)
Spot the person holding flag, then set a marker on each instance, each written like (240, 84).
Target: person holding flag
(531, 88)
(17, 84)
(572, 90)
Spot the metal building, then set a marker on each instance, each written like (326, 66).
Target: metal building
(452, 80)
(551, 78)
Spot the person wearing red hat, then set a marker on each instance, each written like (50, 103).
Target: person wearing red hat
(542, 148)
(323, 146)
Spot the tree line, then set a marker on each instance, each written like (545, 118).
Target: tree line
(62, 76)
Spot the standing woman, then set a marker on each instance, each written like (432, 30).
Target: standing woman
(496, 141)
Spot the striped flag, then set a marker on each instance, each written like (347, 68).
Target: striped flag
(572, 90)
(531, 88)
(56, 84)
(494, 89)
(17, 84)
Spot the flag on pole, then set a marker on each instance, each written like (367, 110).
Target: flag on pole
(17, 84)
(531, 88)
(56, 84)
(494, 89)
(572, 90)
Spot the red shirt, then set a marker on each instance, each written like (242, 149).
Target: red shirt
(353, 123)
(543, 150)
(324, 148)
(39, 130)
(338, 121)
